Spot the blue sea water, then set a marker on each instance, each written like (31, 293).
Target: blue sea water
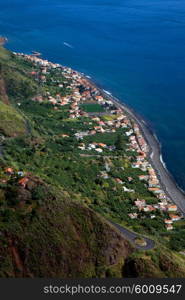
(133, 48)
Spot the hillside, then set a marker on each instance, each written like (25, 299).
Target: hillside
(12, 123)
(58, 191)
(50, 236)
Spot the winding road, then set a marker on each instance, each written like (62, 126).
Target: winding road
(131, 236)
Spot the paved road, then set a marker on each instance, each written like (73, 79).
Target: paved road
(99, 156)
(131, 236)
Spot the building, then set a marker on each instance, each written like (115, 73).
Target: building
(169, 227)
(175, 217)
(172, 208)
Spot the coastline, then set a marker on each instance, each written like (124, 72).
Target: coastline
(166, 179)
(167, 182)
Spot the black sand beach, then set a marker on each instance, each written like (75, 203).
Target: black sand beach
(167, 181)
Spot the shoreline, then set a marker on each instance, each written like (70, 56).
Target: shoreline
(166, 179)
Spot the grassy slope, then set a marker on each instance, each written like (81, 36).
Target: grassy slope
(53, 236)
(12, 123)
(15, 84)
(156, 263)
(80, 243)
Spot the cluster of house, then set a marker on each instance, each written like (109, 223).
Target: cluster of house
(154, 186)
(153, 182)
(138, 144)
(98, 147)
(142, 144)
(101, 126)
(81, 91)
(10, 172)
(170, 209)
(37, 60)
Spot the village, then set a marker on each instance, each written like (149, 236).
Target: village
(81, 91)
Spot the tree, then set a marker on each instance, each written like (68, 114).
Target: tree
(120, 145)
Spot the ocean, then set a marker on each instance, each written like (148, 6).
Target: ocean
(133, 48)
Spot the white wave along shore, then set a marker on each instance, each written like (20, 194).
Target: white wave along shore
(162, 161)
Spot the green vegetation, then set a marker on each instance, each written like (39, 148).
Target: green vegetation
(109, 117)
(12, 123)
(140, 242)
(177, 240)
(41, 230)
(157, 263)
(92, 108)
(19, 83)
(4, 54)
(58, 197)
(120, 145)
